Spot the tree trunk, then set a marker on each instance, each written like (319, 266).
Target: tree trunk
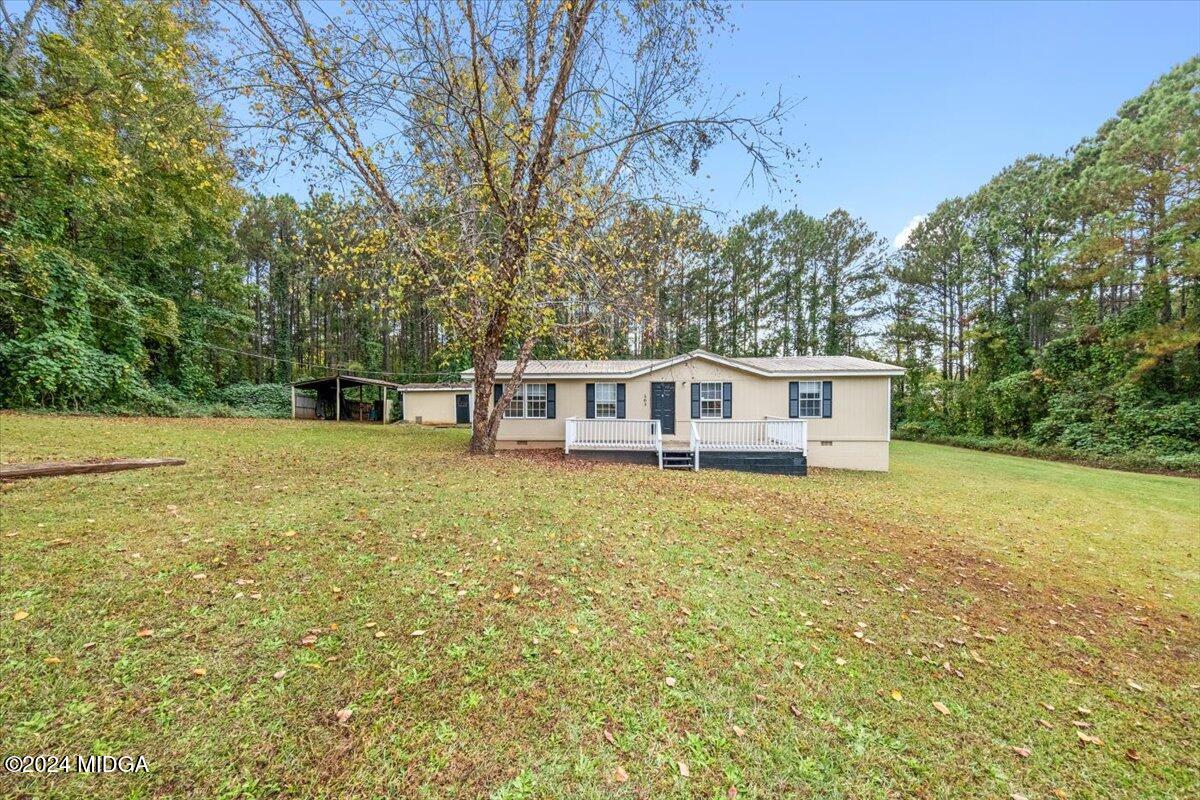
(485, 422)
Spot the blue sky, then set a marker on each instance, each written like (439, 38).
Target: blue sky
(908, 104)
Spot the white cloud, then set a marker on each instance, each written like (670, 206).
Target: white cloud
(902, 237)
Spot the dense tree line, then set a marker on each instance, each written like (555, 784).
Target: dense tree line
(116, 203)
(1059, 302)
(772, 284)
(325, 293)
(136, 274)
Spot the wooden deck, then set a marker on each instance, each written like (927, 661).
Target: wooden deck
(771, 444)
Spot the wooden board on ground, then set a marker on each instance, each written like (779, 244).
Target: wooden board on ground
(50, 469)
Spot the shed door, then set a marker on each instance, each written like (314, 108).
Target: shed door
(462, 409)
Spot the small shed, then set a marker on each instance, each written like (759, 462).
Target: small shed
(438, 403)
(336, 399)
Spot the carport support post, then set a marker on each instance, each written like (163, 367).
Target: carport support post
(337, 398)
(293, 402)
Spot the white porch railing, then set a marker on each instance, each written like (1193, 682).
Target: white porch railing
(614, 434)
(769, 434)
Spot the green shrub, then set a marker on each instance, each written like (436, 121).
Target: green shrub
(223, 410)
(258, 399)
(1135, 460)
(1015, 402)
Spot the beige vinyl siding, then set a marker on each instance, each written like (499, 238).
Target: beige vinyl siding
(858, 429)
(432, 407)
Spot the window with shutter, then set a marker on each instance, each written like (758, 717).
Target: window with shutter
(808, 398)
(606, 401)
(710, 400)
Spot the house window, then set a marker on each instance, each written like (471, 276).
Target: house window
(710, 400)
(529, 402)
(810, 398)
(606, 401)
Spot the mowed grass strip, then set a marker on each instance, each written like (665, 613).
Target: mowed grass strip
(355, 611)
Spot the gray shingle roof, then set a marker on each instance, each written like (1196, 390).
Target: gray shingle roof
(788, 365)
(813, 363)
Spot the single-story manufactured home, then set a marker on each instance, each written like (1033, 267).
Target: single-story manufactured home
(694, 410)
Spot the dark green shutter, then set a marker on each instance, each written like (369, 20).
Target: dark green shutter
(549, 401)
(794, 399)
(695, 400)
(727, 400)
(826, 399)
(620, 401)
(590, 412)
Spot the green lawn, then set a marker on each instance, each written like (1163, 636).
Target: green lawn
(523, 627)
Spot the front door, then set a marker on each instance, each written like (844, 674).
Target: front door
(462, 409)
(662, 405)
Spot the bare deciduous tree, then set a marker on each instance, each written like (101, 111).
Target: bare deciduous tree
(500, 139)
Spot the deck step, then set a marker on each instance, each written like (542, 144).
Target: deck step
(677, 459)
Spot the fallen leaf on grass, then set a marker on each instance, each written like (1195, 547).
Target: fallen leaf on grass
(1060, 794)
(1133, 755)
(19, 615)
(1023, 752)
(1018, 796)
(279, 675)
(731, 793)
(199, 672)
(738, 732)
(343, 716)
(620, 775)
(144, 632)
(896, 695)
(289, 534)
(796, 711)
(417, 633)
(941, 707)
(608, 737)
(670, 681)
(1137, 687)
(52, 660)
(1088, 739)
(683, 769)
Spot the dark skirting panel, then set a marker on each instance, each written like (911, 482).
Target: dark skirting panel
(756, 461)
(751, 461)
(616, 456)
